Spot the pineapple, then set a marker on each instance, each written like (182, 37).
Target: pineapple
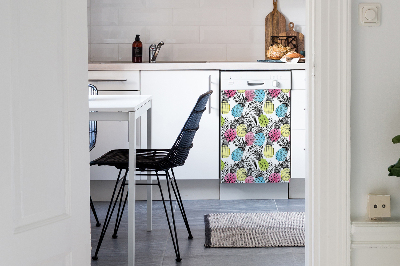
(263, 120)
(241, 130)
(268, 107)
(285, 130)
(249, 138)
(260, 139)
(225, 107)
(225, 151)
(260, 95)
(285, 174)
(241, 174)
(281, 110)
(237, 110)
(263, 164)
(274, 134)
(237, 154)
(281, 155)
(268, 151)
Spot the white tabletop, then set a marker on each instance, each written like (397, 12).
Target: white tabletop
(115, 103)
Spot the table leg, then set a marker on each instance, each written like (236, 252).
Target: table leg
(149, 178)
(132, 190)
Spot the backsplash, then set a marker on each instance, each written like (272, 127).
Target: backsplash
(192, 30)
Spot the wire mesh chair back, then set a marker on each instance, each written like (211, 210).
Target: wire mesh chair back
(92, 124)
(180, 150)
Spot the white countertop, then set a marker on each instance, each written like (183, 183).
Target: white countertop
(196, 66)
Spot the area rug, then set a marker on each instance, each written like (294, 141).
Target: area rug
(239, 230)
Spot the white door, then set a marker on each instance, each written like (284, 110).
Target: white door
(44, 172)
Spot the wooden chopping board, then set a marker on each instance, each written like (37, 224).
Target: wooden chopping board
(292, 32)
(275, 23)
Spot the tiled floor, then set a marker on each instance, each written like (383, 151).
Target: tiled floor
(155, 248)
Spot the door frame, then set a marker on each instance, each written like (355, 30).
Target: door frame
(328, 221)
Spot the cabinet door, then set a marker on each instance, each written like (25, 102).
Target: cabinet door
(174, 96)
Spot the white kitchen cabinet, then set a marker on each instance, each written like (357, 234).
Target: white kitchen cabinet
(298, 124)
(112, 134)
(174, 96)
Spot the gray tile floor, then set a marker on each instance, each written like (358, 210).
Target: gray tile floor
(155, 248)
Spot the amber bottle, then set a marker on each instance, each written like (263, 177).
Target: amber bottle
(137, 50)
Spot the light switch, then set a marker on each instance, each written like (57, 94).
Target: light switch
(369, 14)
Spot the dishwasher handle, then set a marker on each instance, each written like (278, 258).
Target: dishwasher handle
(258, 83)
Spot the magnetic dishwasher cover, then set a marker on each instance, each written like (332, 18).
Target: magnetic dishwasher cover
(255, 127)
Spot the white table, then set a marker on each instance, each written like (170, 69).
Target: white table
(127, 108)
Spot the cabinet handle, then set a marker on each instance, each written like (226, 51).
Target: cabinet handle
(100, 80)
(254, 83)
(209, 89)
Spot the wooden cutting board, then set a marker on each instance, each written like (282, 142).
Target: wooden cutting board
(292, 32)
(275, 23)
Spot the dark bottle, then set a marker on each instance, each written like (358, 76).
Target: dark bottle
(137, 50)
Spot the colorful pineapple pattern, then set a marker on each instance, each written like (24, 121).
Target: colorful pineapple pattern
(255, 136)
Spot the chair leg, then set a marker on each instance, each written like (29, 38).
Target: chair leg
(94, 213)
(120, 211)
(180, 203)
(174, 239)
(109, 212)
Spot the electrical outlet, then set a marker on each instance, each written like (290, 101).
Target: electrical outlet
(378, 206)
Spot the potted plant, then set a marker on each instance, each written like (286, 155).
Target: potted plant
(394, 170)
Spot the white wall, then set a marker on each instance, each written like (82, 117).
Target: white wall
(375, 120)
(193, 30)
(375, 108)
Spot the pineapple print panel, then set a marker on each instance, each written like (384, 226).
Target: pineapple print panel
(255, 136)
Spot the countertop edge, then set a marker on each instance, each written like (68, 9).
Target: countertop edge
(194, 66)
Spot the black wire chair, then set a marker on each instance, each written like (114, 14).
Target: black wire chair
(92, 143)
(149, 161)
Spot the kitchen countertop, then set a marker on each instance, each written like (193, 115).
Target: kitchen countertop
(195, 66)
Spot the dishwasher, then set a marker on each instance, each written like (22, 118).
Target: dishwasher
(255, 127)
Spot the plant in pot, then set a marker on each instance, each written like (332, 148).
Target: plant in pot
(394, 170)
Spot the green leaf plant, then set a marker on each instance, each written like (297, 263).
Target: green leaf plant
(394, 170)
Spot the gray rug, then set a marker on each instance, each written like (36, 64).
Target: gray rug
(271, 229)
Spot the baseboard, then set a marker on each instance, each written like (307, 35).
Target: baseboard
(101, 190)
(297, 188)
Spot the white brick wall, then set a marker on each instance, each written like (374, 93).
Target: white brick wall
(192, 30)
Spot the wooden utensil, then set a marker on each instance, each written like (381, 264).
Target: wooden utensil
(299, 36)
(275, 23)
